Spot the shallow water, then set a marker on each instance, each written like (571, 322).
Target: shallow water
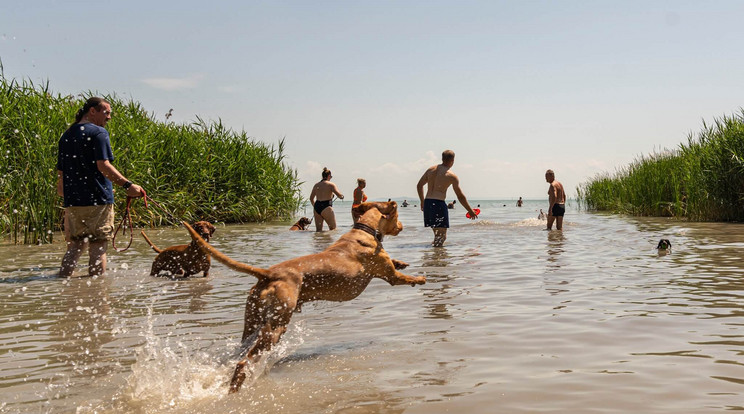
(512, 319)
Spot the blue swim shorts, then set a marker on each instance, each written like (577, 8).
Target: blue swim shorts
(435, 213)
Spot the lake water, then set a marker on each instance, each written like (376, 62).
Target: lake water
(512, 319)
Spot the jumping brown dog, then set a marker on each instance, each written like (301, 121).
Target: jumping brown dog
(301, 224)
(338, 274)
(183, 260)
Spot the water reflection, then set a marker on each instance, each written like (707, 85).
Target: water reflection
(193, 290)
(437, 288)
(436, 257)
(554, 249)
(196, 291)
(437, 302)
(323, 239)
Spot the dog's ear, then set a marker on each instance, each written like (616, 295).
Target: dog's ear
(362, 208)
(212, 229)
(389, 223)
(385, 207)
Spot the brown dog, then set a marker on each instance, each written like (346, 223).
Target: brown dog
(301, 224)
(338, 274)
(183, 260)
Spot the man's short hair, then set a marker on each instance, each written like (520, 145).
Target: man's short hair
(550, 172)
(448, 155)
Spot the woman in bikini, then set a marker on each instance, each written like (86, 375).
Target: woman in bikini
(359, 197)
(321, 199)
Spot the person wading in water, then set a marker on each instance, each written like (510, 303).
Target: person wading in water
(437, 179)
(321, 199)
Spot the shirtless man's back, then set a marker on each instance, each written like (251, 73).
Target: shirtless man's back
(437, 179)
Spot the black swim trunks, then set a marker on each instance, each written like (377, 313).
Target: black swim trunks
(559, 210)
(321, 205)
(435, 213)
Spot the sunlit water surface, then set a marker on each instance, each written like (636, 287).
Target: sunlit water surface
(512, 319)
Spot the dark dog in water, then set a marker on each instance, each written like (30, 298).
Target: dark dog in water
(664, 244)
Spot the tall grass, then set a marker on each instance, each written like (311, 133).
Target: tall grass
(198, 171)
(702, 180)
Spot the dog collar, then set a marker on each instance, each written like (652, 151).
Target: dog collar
(368, 229)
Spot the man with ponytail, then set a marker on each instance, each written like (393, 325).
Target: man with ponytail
(84, 179)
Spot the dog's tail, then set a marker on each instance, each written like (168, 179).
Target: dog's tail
(220, 257)
(154, 247)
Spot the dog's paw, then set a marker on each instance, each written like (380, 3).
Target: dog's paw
(399, 265)
(418, 280)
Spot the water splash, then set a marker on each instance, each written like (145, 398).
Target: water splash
(170, 373)
(528, 222)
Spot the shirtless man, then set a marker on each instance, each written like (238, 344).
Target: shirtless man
(323, 206)
(438, 178)
(557, 199)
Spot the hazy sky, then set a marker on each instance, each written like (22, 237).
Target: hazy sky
(378, 89)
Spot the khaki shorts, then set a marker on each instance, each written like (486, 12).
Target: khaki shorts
(94, 222)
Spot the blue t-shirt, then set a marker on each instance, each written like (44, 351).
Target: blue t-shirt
(79, 149)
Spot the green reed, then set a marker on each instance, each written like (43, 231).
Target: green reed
(702, 180)
(197, 171)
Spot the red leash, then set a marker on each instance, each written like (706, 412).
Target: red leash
(127, 219)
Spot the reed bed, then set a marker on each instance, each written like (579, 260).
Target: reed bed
(197, 171)
(702, 180)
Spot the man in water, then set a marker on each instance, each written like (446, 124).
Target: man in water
(557, 199)
(438, 178)
(84, 180)
(519, 202)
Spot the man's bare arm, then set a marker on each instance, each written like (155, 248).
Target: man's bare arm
(110, 172)
(461, 197)
(551, 199)
(420, 190)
